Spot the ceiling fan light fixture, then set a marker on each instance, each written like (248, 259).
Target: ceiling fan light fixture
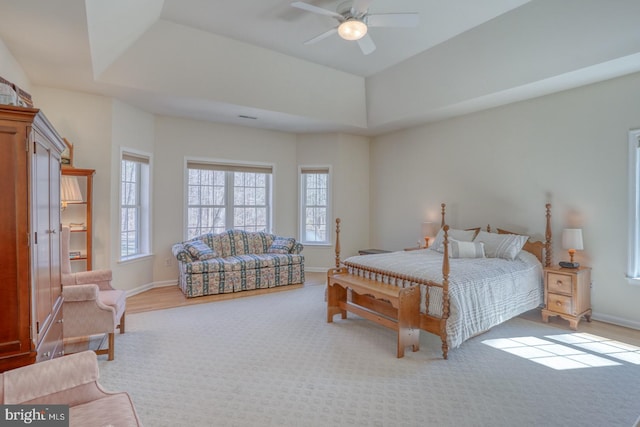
(352, 29)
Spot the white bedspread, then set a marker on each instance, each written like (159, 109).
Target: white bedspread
(483, 292)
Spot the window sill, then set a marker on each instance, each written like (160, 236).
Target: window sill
(633, 281)
(314, 244)
(135, 258)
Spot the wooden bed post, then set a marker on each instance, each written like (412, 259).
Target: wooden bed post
(443, 205)
(445, 293)
(547, 244)
(337, 242)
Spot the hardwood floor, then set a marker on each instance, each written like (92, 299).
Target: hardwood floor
(171, 296)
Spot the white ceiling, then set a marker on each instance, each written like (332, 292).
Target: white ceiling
(276, 25)
(216, 60)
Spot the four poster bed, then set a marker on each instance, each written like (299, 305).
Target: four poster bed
(459, 297)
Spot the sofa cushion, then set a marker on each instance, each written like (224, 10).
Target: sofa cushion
(199, 250)
(282, 245)
(238, 242)
(116, 410)
(239, 262)
(28, 383)
(116, 298)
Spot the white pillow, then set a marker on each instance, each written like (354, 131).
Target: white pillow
(460, 249)
(460, 235)
(506, 246)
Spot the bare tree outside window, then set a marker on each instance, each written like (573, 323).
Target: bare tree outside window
(220, 199)
(315, 205)
(130, 209)
(135, 202)
(206, 202)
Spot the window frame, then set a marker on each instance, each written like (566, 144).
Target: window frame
(633, 257)
(230, 167)
(302, 171)
(143, 202)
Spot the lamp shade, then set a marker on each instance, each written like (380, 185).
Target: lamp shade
(70, 189)
(572, 238)
(428, 229)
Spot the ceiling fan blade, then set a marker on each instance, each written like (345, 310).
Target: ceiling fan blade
(360, 7)
(322, 36)
(393, 20)
(366, 44)
(315, 9)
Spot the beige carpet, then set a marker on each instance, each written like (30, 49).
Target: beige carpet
(272, 360)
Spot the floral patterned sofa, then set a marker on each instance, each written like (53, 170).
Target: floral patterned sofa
(236, 260)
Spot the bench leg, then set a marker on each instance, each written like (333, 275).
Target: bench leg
(406, 337)
(335, 295)
(409, 320)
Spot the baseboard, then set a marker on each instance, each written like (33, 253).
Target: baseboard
(148, 286)
(616, 320)
(316, 269)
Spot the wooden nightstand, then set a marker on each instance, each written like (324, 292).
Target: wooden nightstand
(567, 293)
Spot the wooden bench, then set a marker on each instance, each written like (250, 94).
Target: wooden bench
(388, 305)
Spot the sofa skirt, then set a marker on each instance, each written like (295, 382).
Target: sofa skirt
(220, 282)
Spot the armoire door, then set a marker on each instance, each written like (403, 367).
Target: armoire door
(42, 227)
(16, 347)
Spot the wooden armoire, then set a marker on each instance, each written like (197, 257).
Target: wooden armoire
(30, 282)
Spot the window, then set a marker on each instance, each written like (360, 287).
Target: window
(633, 267)
(134, 205)
(314, 205)
(223, 196)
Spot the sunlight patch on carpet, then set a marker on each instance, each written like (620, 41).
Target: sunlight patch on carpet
(579, 350)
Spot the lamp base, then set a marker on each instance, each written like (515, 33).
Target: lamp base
(565, 264)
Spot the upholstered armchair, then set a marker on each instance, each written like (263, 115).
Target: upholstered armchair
(69, 380)
(91, 305)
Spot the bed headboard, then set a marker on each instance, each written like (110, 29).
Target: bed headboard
(542, 250)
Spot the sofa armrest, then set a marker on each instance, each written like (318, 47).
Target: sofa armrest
(102, 278)
(297, 248)
(181, 253)
(39, 380)
(76, 293)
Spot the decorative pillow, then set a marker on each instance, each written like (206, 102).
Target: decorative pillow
(460, 235)
(506, 246)
(460, 249)
(475, 230)
(199, 250)
(282, 245)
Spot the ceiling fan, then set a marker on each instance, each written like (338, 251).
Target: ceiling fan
(354, 20)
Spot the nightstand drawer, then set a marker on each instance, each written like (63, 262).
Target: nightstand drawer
(560, 283)
(559, 303)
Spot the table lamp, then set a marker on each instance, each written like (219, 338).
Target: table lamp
(429, 230)
(69, 190)
(572, 241)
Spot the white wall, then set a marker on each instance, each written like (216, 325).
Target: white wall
(501, 166)
(98, 127)
(86, 121)
(179, 138)
(348, 157)
(132, 129)
(11, 70)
